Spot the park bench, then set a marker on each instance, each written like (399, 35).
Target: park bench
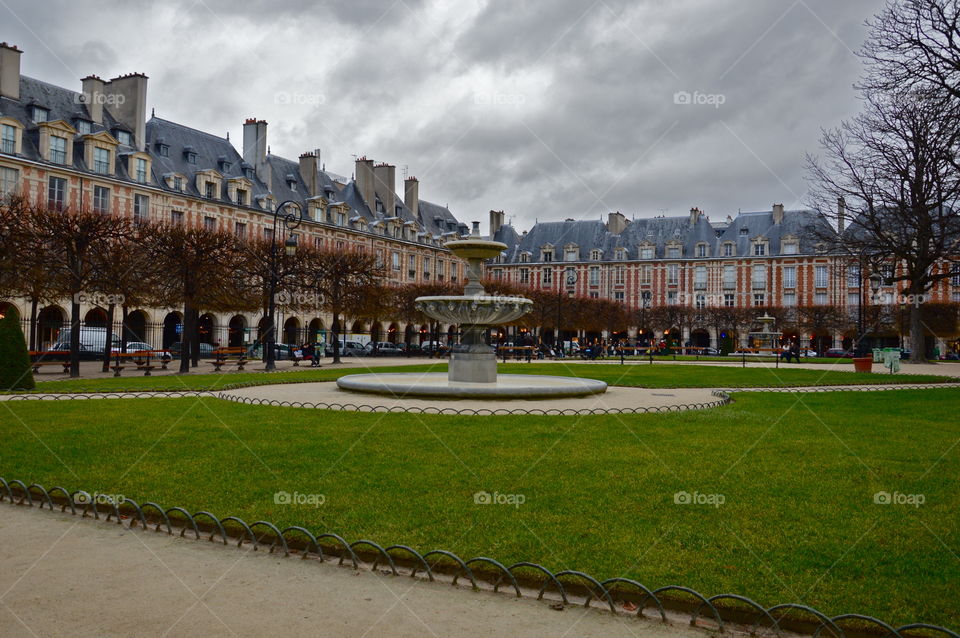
(229, 356)
(142, 360)
(38, 358)
(517, 352)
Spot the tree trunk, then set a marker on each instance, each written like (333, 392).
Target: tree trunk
(195, 337)
(74, 338)
(185, 340)
(336, 337)
(125, 312)
(918, 344)
(33, 324)
(108, 345)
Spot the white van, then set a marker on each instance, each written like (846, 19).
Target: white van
(92, 341)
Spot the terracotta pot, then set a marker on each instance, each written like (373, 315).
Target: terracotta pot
(863, 364)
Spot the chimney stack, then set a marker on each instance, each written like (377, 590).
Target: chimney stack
(127, 96)
(778, 214)
(309, 174)
(616, 223)
(10, 71)
(496, 222)
(385, 186)
(695, 215)
(841, 214)
(255, 148)
(93, 96)
(365, 182)
(411, 195)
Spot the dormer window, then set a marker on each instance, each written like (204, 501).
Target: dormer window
(58, 149)
(101, 160)
(571, 253)
(124, 137)
(524, 258)
(379, 207)
(744, 231)
(140, 170)
(547, 254)
(595, 255)
(621, 254)
(163, 150)
(293, 187)
(759, 248)
(9, 138)
(241, 197)
(397, 210)
(210, 190)
(84, 127)
(790, 248)
(223, 165)
(190, 155)
(646, 252)
(728, 249)
(39, 114)
(673, 252)
(703, 250)
(178, 183)
(341, 219)
(248, 172)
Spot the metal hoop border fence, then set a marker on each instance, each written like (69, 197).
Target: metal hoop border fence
(773, 618)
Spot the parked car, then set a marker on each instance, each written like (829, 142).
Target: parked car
(206, 350)
(134, 346)
(429, 347)
(950, 356)
(837, 353)
(347, 349)
(383, 349)
(92, 341)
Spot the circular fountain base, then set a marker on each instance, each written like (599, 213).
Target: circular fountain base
(437, 384)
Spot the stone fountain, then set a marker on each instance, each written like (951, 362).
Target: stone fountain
(472, 372)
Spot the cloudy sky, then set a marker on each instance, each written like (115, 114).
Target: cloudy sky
(547, 110)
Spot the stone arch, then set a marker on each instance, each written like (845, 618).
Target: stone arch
(316, 331)
(135, 327)
(172, 329)
(291, 330)
(8, 307)
(206, 328)
(50, 321)
(96, 317)
(700, 338)
(376, 332)
(393, 333)
(236, 331)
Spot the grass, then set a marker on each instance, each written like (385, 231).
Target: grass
(636, 375)
(798, 474)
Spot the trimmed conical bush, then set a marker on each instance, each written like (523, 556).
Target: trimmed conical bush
(15, 371)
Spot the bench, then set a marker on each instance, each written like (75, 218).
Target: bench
(229, 356)
(37, 359)
(140, 359)
(518, 352)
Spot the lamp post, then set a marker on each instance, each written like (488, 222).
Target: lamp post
(876, 279)
(571, 280)
(290, 222)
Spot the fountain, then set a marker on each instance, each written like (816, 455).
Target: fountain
(472, 371)
(767, 338)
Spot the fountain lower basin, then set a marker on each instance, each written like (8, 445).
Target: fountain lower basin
(438, 384)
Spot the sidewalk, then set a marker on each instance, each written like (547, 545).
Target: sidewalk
(62, 575)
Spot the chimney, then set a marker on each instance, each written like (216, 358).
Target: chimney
(255, 148)
(841, 214)
(127, 96)
(616, 223)
(385, 185)
(778, 214)
(496, 222)
(695, 215)
(308, 173)
(411, 195)
(10, 71)
(93, 97)
(364, 178)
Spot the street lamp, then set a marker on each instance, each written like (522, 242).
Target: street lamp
(290, 222)
(571, 281)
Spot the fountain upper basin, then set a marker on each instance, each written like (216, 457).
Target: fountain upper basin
(480, 310)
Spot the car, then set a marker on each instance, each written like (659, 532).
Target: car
(429, 347)
(347, 349)
(950, 356)
(383, 349)
(206, 350)
(134, 346)
(837, 353)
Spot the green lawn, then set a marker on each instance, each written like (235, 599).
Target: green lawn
(798, 474)
(634, 374)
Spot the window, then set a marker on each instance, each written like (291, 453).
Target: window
(56, 192)
(820, 299)
(547, 277)
(101, 160)
(176, 217)
(209, 190)
(759, 299)
(673, 252)
(621, 254)
(744, 231)
(729, 300)
(9, 181)
(125, 138)
(341, 219)
(700, 302)
(141, 170)
(101, 199)
(728, 249)
(524, 276)
(789, 276)
(412, 266)
(8, 139)
(853, 299)
(241, 197)
(268, 233)
(618, 275)
(700, 277)
(759, 276)
(820, 277)
(790, 248)
(497, 274)
(759, 249)
(58, 149)
(730, 277)
(594, 295)
(646, 252)
(40, 114)
(524, 258)
(240, 229)
(672, 298)
(191, 157)
(426, 266)
(646, 274)
(853, 276)
(595, 255)
(454, 270)
(618, 296)
(164, 150)
(178, 183)
(395, 260)
(572, 254)
(547, 255)
(83, 127)
(701, 250)
(210, 223)
(141, 207)
(594, 275)
(673, 274)
(789, 299)
(955, 275)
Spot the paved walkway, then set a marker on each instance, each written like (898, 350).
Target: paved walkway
(62, 575)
